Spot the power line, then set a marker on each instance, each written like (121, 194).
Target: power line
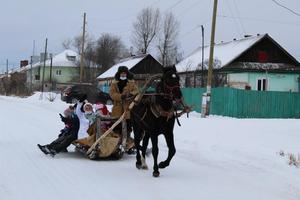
(155, 2)
(235, 19)
(189, 32)
(238, 14)
(286, 8)
(195, 28)
(260, 20)
(174, 5)
(189, 8)
(126, 17)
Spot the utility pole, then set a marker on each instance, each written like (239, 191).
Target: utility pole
(6, 67)
(6, 82)
(30, 86)
(31, 63)
(51, 82)
(82, 48)
(198, 67)
(45, 57)
(202, 60)
(206, 97)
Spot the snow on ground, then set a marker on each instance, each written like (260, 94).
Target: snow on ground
(216, 158)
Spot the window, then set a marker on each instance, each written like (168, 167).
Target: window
(37, 77)
(71, 58)
(262, 84)
(58, 72)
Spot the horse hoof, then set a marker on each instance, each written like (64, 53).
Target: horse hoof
(138, 166)
(145, 167)
(163, 165)
(155, 174)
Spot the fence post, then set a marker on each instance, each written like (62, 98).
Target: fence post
(204, 105)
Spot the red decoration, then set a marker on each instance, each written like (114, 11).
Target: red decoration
(262, 56)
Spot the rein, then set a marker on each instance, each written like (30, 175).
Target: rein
(167, 94)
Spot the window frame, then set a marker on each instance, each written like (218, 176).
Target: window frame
(263, 84)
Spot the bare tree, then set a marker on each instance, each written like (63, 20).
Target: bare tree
(77, 43)
(145, 28)
(167, 42)
(90, 60)
(109, 50)
(67, 43)
(90, 52)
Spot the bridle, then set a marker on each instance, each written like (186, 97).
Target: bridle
(167, 92)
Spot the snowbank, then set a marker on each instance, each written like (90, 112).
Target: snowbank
(216, 158)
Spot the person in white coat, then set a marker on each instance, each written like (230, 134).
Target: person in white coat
(84, 123)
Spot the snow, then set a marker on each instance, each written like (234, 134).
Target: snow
(129, 63)
(216, 158)
(223, 52)
(60, 60)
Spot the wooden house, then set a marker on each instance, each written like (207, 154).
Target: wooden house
(254, 62)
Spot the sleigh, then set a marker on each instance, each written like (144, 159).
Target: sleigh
(105, 143)
(108, 143)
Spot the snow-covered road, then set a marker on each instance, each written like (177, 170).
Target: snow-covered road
(217, 158)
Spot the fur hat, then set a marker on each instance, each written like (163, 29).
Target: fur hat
(122, 69)
(88, 107)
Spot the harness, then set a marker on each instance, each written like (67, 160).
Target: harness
(158, 111)
(167, 93)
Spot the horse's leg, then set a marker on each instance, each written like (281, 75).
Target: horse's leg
(137, 139)
(144, 149)
(154, 140)
(170, 143)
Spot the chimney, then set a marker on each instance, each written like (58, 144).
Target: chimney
(42, 57)
(23, 63)
(131, 51)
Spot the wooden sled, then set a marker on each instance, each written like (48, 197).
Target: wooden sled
(105, 145)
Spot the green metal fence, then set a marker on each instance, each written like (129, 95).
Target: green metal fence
(246, 104)
(193, 96)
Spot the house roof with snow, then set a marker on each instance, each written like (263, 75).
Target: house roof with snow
(67, 58)
(140, 64)
(128, 62)
(226, 53)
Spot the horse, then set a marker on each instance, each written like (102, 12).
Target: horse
(155, 114)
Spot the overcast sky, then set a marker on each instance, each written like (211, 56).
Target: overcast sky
(24, 21)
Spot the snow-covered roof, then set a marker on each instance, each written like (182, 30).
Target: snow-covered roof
(128, 62)
(67, 58)
(224, 53)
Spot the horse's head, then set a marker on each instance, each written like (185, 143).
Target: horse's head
(171, 84)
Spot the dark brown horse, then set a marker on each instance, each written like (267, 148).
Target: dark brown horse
(155, 114)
